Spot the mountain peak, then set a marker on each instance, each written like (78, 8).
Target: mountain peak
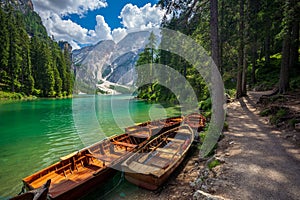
(23, 5)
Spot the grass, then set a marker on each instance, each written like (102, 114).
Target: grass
(213, 164)
(265, 112)
(275, 119)
(10, 96)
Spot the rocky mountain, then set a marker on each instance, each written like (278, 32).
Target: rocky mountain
(109, 62)
(33, 22)
(22, 5)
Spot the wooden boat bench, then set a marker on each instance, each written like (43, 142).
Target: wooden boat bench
(175, 140)
(166, 150)
(143, 168)
(106, 158)
(160, 162)
(126, 145)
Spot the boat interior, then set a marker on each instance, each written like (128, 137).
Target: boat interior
(160, 153)
(77, 167)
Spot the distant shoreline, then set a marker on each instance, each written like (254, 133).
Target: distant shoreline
(14, 96)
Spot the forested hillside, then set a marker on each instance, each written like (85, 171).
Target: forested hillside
(31, 63)
(255, 45)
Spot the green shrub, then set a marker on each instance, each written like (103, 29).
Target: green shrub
(231, 92)
(292, 123)
(225, 126)
(202, 136)
(281, 113)
(10, 95)
(275, 119)
(295, 83)
(213, 164)
(265, 112)
(205, 105)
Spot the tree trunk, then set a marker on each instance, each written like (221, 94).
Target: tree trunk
(267, 49)
(284, 71)
(221, 36)
(294, 55)
(239, 88)
(289, 17)
(244, 76)
(253, 21)
(214, 32)
(254, 57)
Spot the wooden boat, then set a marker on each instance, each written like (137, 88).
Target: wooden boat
(152, 164)
(38, 194)
(196, 121)
(78, 173)
(157, 126)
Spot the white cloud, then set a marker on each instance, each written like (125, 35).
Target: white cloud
(64, 7)
(102, 29)
(118, 34)
(132, 17)
(145, 17)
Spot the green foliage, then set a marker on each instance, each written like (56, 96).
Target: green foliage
(202, 136)
(265, 112)
(295, 83)
(99, 91)
(10, 95)
(205, 105)
(225, 126)
(292, 123)
(34, 26)
(268, 76)
(213, 164)
(231, 92)
(275, 119)
(31, 65)
(281, 113)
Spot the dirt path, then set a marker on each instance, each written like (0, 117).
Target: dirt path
(259, 162)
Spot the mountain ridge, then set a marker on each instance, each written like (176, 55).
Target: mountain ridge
(109, 62)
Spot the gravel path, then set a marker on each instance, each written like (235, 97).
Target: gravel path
(259, 163)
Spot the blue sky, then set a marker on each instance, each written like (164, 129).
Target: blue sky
(111, 13)
(82, 22)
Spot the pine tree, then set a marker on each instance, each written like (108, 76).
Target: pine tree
(15, 52)
(48, 79)
(240, 79)
(4, 48)
(25, 78)
(69, 81)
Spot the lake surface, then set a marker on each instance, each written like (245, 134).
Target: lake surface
(34, 134)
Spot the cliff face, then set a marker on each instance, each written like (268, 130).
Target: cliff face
(22, 5)
(109, 62)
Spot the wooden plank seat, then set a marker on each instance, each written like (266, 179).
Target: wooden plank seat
(175, 140)
(166, 150)
(106, 158)
(142, 168)
(55, 178)
(160, 162)
(142, 134)
(125, 144)
(122, 138)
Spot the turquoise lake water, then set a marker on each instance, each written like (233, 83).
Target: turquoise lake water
(34, 134)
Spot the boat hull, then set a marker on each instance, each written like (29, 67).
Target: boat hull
(151, 182)
(153, 164)
(85, 187)
(80, 172)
